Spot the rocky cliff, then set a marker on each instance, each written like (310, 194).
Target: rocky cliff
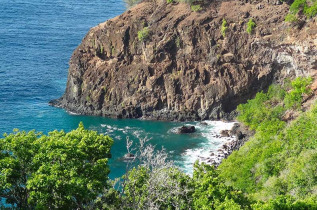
(184, 67)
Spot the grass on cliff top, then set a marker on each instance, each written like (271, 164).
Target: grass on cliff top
(281, 159)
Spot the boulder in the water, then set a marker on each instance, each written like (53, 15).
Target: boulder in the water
(186, 129)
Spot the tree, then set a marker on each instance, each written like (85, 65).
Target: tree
(159, 188)
(16, 155)
(58, 170)
(211, 192)
(155, 183)
(152, 181)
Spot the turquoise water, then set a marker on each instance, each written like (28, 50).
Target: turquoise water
(37, 39)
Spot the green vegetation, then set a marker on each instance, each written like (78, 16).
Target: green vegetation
(308, 7)
(291, 18)
(280, 159)
(250, 26)
(169, 1)
(163, 187)
(169, 188)
(275, 169)
(143, 34)
(299, 87)
(224, 27)
(271, 106)
(211, 192)
(57, 171)
(70, 171)
(195, 8)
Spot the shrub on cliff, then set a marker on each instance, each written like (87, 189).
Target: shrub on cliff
(58, 170)
(308, 8)
(299, 88)
(224, 27)
(250, 26)
(195, 8)
(143, 34)
(280, 159)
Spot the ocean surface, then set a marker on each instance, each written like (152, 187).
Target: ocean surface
(37, 38)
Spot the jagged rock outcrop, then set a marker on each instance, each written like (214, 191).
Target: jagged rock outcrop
(185, 69)
(186, 129)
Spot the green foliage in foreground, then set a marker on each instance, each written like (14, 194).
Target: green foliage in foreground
(281, 158)
(162, 187)
(169, 188)
(70, 171)
(211, 192)
(58, 170)
(276, 169)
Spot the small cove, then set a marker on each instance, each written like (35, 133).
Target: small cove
(37, 40)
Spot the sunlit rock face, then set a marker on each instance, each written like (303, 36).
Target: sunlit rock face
(184, 68)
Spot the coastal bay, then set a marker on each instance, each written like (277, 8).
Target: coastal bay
(37, 41)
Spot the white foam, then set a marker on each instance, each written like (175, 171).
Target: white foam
(211, 131)
(118, 133)
(72, 113)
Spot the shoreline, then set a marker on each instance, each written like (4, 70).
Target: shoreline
(229, 136)
(154, 115)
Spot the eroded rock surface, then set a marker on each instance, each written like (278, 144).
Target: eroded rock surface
(185, 69)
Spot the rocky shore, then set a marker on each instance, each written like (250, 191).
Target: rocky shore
(232, 140)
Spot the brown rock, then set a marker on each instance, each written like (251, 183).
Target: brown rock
(186, 129)
(225, 133)
(184, 69)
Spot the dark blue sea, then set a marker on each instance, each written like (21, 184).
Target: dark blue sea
(37, 38)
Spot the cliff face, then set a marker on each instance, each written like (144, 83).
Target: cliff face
(185, 69)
